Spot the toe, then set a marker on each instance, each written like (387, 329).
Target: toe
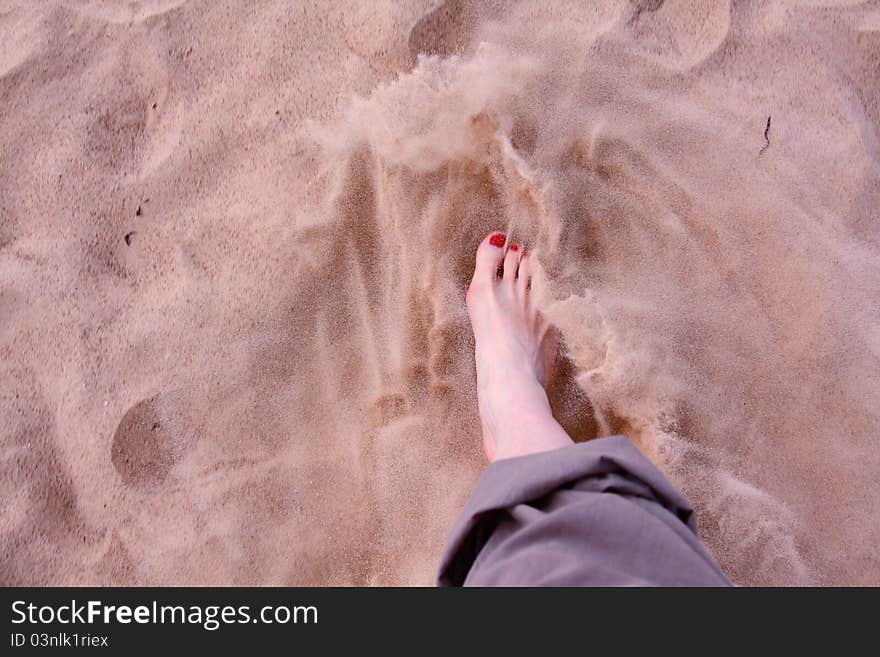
(489, 255)
(524, 274)
(511, 262)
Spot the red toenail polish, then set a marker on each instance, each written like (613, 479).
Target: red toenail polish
(514, 247)
(498, 239)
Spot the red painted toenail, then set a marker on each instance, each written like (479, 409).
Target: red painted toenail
(498, 239)
(514, 247)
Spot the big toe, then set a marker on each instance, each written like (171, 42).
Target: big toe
(490, 253)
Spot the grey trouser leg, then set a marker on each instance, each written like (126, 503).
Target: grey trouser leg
(593, 514)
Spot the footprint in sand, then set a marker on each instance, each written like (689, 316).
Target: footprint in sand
(680, 35)
(144, 450)
(125, 11)
(446, 30)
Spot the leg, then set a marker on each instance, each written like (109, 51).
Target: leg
(597, 513)
(512, 354)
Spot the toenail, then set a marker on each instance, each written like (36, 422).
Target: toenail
(498, 239)
(514, 247)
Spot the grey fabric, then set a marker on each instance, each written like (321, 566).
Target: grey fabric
(593, 514)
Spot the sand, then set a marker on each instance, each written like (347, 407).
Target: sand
(235, 239)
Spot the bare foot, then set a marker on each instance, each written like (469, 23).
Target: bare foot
(512, 355)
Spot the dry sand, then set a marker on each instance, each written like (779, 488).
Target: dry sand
(235, 238)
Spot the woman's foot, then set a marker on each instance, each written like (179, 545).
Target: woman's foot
(513, 354)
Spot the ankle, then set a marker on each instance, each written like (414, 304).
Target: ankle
(529, 430)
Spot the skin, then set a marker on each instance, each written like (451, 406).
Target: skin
(514, 349)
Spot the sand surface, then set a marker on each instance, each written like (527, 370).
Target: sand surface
(235, 238)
